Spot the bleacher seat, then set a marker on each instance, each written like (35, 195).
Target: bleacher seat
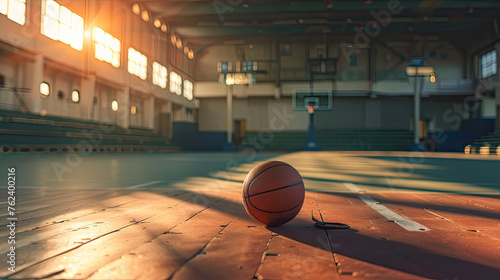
(29, 132)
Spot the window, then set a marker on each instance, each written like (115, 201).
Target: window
(4, 4)
(60, 95)
(489, 64)
(15, 10)
(175, 83)
(137, 64)
(114, 105)
(107, 47)
(44, 89)
(188, 90)
(60, 24)
(75, 96)
(159, 75)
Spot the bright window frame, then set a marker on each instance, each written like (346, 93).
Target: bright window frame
(15, 10)
(45, 89)
(160, 75)
(137, 64)
(69, 25)
(106, 47)
(115, 106)
(75, 96)
(188, 89)
(488, 64)
(175, 83)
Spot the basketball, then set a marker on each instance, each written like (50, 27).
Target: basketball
(273, 193)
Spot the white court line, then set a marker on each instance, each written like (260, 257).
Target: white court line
(409, 192)
(407, 224)
(353, 187)
(143, 185)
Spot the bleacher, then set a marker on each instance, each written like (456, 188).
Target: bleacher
(332, 140)
(24, 132)
(490, 144)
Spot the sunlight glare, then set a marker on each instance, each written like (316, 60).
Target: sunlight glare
(17, 11)
(3, 7)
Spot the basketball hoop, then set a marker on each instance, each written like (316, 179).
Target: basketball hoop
(310, 108)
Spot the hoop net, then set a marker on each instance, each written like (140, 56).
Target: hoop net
(310, 108)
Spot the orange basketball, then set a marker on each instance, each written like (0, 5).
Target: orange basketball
(273, 193)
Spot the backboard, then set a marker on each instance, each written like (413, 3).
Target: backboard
(321, 99)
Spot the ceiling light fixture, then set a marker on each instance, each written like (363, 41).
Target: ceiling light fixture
(136, 9)
(145, 15)
(157, 23)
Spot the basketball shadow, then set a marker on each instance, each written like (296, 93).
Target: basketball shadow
(380, 255)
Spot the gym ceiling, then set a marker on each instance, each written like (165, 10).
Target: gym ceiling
(201, 23)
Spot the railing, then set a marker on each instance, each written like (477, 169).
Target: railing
(22, 105)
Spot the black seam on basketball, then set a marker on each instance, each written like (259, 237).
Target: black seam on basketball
(255, 177)
(301, 182)
(251, 213)
(249, 200)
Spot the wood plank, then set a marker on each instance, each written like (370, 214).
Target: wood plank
(83, 261)
(363, 250)
(65, 212)
(40, 217)
(53, 198)
(385, 249)
(481, 207)
(163, 255)
(456, 229)
(298, 250)
(31, 194)
(234, 253)
(90, 228)
(491, 202)
(25, 210)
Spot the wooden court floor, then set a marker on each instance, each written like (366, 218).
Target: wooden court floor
(180, 216)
